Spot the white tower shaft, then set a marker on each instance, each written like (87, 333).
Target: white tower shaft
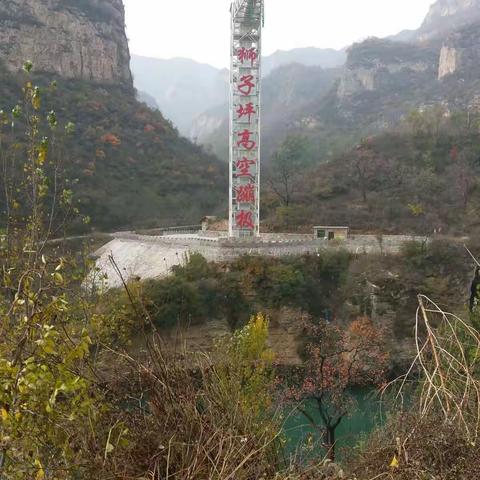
(245, 106)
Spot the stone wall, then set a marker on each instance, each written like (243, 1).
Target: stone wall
(147, 256)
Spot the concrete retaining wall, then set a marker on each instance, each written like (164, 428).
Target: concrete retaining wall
(224, 249)
(148, 256)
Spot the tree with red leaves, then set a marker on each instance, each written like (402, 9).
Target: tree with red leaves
(338, 359)
(111, 139)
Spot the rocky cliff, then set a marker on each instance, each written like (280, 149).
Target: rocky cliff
(437, 64)
(133, 168)
(381, 82)
(78, 39)
(376, 64)
(460, 54)
(445, 44)
(448, 15)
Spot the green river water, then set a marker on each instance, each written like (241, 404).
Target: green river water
(350, 432)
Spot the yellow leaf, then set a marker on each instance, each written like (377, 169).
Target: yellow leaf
(394, 463)
(4, 414)
(58, 278)
(42, 155)
(49, 349)
(36, 102)
(40, 472)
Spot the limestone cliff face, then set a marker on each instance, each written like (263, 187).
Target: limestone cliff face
(447, 44)
(449, 61)
(447, 8)
(285, 335)
(382, 64)
(80, 39)
(460, 54)
(448, 15)
(355, 80)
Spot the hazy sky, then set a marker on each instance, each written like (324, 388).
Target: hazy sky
(199, 29)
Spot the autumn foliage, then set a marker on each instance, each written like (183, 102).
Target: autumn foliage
(111, 139)
(338, 359)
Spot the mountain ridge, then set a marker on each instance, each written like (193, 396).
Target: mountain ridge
(207, 86)
(383, 80)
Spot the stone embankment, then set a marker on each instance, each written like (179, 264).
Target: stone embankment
(150, 256)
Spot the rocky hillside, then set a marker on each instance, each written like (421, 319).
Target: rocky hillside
(447, 15)
(460, 55)
(381, 83)
(384, 80)
(79, 39)
(133, 168)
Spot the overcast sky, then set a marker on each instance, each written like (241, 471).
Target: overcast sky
(199, 29)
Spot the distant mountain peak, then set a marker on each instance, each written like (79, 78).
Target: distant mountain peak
(448, 8)
(447, 15)
(310, 56)
(186, 90)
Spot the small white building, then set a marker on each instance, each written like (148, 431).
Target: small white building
(330, 233)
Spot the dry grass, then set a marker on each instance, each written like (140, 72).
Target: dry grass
(436, 437)
(435, 450)
(187, 421)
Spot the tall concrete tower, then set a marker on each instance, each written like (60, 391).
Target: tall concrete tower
(245, 90)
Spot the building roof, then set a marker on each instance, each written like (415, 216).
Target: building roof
(327, 227)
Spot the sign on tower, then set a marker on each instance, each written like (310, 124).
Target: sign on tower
(245, 89)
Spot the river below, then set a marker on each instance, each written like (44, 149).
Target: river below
(304, 440)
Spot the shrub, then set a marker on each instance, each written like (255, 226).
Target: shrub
(207, 417)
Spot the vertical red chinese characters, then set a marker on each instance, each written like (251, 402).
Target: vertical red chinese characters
(245, 90)
(245, 193)
(245, 117)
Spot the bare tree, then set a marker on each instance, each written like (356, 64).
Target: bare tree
(365, 168)
(287, 167)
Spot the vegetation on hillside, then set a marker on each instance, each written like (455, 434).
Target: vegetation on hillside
(75, 403)
(333, 285)
(65, 412)
(421, 178)
(128, 164)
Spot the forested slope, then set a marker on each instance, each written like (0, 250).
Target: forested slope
(421, 177)
(132, 167)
